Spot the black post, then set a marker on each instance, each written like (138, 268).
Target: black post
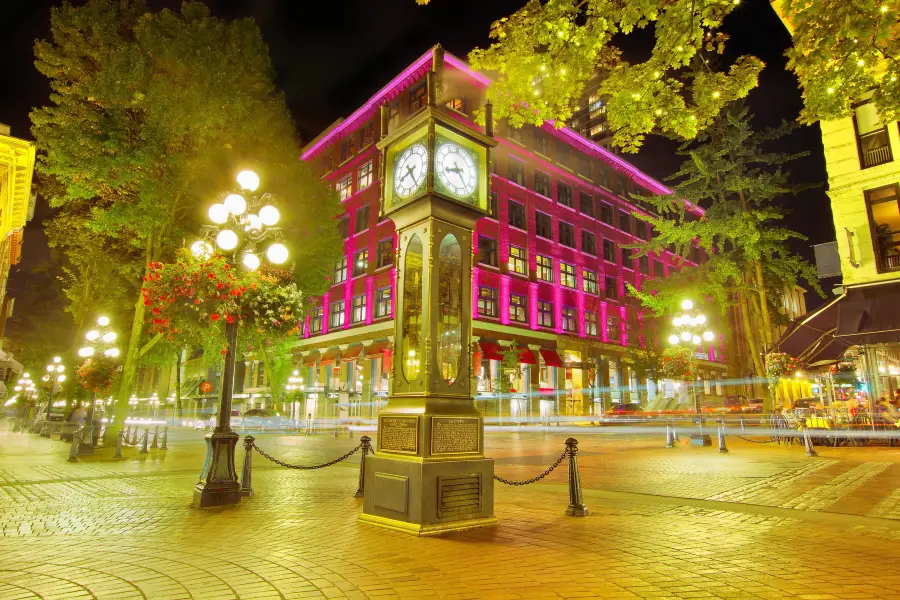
(365, 442)
(50, 401)
(90, 420)
(246, 475)
(219, 483)
(576, 501)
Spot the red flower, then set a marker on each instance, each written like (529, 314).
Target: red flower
(229, 319)
(211, 275)
(197, 301)
(214, 317)
(220, 285)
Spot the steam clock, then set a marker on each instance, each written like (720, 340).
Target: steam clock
(430, 474)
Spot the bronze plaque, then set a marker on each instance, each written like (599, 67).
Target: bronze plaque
(454, 435)
(399, 434)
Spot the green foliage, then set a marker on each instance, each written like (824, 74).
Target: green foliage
(544, 54)
(646, 362)
(678, 362)
(509, 365)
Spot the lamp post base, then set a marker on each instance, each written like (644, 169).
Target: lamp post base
(218, 485)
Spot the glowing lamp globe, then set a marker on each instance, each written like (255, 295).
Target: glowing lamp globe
(687, 305)
(57, 359)
(218, 213)
(49, 367)
(18, 388)
(701, 319)
(92, 335)
(696, 339)
(235, 204)
(673, 339)
(46, 378)
(86, 352)
(112, 352)
(686, 336)
(109, 337)
(708, 336)
(277, 253)
(269, 215)
(61, 378)
(60, 368)
(251, 261)
(227, 239)
(201, 249)
(676, 321)
(248, 180)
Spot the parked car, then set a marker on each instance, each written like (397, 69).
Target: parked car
(734, 404)
(754, 405)
(803, 406)
(264, 419)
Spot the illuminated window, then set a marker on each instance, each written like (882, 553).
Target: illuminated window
(364, 175)
(361, 262)
(458, 104)
(340, 270)
(518, 260)
(597, 129)
(382, 302)
(385, 253)
(315, 321)
(589, 281)
(545, 268)
(487, 301)
(518, 308)
(871, 137)
(567, 275)
(336, 314)
(569, 319)
(613, 331)
(884, 217)
(545, 314)
(344, 186)
(590, 323)
(358, 312)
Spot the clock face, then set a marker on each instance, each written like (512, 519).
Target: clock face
(409, 172)
(456, 169)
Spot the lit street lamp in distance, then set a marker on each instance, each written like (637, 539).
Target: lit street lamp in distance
(25, 387)
(691, 330)
(54, 376)
(242, 224)
(294, 384)
(98, 341)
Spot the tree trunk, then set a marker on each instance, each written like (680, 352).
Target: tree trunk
(744, 307)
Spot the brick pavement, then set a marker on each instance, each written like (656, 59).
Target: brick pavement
(759, 522)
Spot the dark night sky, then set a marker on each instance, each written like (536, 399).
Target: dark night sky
(331, 56)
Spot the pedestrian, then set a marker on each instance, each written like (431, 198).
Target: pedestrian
(308, 423)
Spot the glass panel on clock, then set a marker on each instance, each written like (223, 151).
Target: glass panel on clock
(412, 309)
(450, 303)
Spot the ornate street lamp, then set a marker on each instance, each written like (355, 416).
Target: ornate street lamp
(244, 227)
(25, 387)
(691, 330)
(99, 341)
(54, 377)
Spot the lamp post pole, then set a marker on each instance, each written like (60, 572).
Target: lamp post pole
(690, 331)
(55, 374)
(239, 234)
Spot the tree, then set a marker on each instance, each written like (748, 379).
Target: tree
(151, 115)
(750, 263)
(544, 53)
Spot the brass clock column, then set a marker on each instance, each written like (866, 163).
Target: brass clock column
(430, 474)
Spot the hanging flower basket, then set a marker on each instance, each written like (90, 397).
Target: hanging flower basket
(780, 364)
(844, 373)
(97, 372)
(679, 363)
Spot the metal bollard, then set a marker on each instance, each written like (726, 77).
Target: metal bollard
(246, 481)
(134, 436)
(810, 451)
(165, 440)
(721, 428)
(349, 432)
(144, 441)
(742, 422)
(119, 440)
(674, 433)
(155, 443)
(366, 445)
(576, 500)
(76, 442)
(670, 443)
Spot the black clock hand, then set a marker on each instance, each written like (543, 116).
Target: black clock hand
(410, 172)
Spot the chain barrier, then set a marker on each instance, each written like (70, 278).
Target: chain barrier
(558, 462)
(303, 467)
(768, 441)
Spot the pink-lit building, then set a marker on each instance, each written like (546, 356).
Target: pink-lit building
(551, 268)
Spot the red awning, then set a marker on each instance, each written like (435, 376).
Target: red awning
(375, 350)
(310, 359)
(351, 353)
(491, 351)
(551, 358)
(526, 357)
(329, 357)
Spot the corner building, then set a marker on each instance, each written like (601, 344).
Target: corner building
(549, 283)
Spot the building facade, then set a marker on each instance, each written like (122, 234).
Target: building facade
(549, 289)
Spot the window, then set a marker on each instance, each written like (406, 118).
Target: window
(884, 216)
(541, 143)
(518, 308)
(871, 137)
(518, 260)
(361, 262)
(603, 176)
(545, 314)
(543, 225)
(382, 302)
(606, 213)
(586, 203)
(542, 183)
(590, 323)
(566, 234)
(344, 227)
(613, 331)
(658, 269)
(588, 243)
(544, 268)
(315, 322)
(627, 258)
(563, 154)
(622, 182)
(515, 134)
(584, 165)
(344, 186)
(624, 221)
(458, 104)
(487, 301)
(487, 250)
(516, 171)
(516, 214)
(567, 275)
(361, 222)
(417, 98)
(569, 319)
(364, 176)
(612, 288)
(394, 115)
(336, 314)
(366, 135)
(329, 162)
(347, 148)
(340, 271)
(589, 281)
(494, 208)
(564, 194)
(385, 253)
(641, 229)
(609, 251)
(358, 312)
(644, 265)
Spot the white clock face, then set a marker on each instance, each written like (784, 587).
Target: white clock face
(410, 170)
(456, 169)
